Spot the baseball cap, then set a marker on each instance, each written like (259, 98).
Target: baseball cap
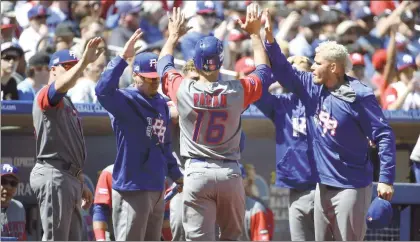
(379, 214)
(357, 59)
(8, 169)
(309, 20)
(15, 47)
(145, 64)
(37, 10)
(64, 29)
(405, 60)
(344, 26)
(39, 59)
(205, 7)
(61, 57)
(237, 35)
(328, 16)
(245, 64)
(362, 13)
(379, 59)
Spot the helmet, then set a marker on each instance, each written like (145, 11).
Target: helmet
(208, 54)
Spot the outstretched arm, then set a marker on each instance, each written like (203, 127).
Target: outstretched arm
(109, 96)
(260, 79)
(170, 77)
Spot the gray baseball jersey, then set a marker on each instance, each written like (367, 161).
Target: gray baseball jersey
(210, 113)
(59, 134)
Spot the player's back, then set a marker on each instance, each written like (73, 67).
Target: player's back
(210, 119)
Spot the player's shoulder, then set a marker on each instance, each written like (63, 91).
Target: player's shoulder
(17, 207)
(361, 90)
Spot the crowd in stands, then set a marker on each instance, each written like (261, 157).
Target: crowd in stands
(383, 38)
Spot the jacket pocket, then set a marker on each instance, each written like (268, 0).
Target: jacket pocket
(295, 166)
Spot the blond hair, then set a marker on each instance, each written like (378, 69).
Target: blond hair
(189, 66)
(334, 52)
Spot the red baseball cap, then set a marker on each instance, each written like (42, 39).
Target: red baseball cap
(379, 59)
(357, 59)
(245, 64)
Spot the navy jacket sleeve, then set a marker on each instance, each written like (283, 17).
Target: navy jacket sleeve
(109, 96)
(377, 129)
(298, 82)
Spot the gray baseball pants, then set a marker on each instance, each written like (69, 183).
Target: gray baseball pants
(340, 213)
(59, 196)
(213, 193)
(137, 215)
(175, 218)
(301, 215)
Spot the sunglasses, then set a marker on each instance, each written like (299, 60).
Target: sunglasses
(10, 57)
(67, 66)
(12, 183)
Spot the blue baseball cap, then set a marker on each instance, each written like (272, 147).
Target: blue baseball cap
(37, 10)
(379, 214)
(145, 65)
(8, 169)
(62, 57)
(205, 7)
(405, 60)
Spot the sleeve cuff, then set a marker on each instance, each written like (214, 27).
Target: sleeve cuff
(175, 174)
(385, 179)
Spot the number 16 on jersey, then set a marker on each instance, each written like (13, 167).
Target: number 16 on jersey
(214, 128)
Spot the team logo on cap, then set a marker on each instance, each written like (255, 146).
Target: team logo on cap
(209, 4)
(153, 63)
(72, 54)
(407, 58)
(7, 168)
(56, 60)
(137, 68)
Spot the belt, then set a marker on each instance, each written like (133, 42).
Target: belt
(68, 167)
(205, 159)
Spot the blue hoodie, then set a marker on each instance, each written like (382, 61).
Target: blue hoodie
(141, 126)
(295, 167)
(340, 126)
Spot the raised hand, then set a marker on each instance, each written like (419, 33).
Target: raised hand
(177, 24)
(268, 28)
(91, 52)
(252, 24)
(129, 50)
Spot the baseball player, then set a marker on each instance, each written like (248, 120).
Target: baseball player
(13, 217)
(210, 122)
(341, 112)
(295, 168)
(140, 119)
(57, 179)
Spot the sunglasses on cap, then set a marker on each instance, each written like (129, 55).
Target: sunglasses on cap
(10, 57)
(12, 183)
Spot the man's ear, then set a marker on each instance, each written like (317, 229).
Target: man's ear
(333, 68)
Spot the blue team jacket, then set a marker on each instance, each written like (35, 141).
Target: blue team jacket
(295, 166)
(141, 126)
(340, 126)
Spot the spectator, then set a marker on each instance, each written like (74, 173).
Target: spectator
(84, 90)
(149, 23)
(80, 10)
(22, 9)
(10, 55)
(358, 70)
(59, 12)
(13, 217)
(129, 21)
(202, 24)
(415, 160)
(37, 29)
(89, 28)
(403, 94)
(309, 29)
(37, 76)
(8, 30)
